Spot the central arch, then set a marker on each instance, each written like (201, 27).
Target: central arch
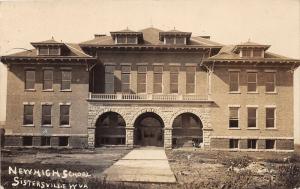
(149, 130)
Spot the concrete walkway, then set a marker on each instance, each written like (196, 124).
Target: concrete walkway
(142, 165)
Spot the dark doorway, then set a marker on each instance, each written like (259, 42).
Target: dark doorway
(110, 130)
(149, 130)
(187, 131)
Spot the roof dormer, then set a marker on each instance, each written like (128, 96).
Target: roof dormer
(127, 37)
(175, 37)
(251, 50)
(48, 47)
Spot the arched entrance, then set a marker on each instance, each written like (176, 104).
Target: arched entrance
(149, 130)
(110, 129)
(187, 130)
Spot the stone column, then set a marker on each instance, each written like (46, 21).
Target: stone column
(168, 138)
(129, 136)
(91, 137)
(206, 137)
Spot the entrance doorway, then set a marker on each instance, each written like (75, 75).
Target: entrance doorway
(149, 130)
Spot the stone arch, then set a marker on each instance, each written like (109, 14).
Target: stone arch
(145, 110)
(197, 113)
(103, 111)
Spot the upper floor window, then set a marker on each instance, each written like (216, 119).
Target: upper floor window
(270, 78)
(66, 76)
(142, 79)
(190, 79)
(174, 71)
(123, 39)
(48, 79)
(29, 79)
(109, 79)
(246, 52)
(252, 82)
(233, 117)
(252, 116)
(46, 114)
(49, 50)
(180, 40)
(157, 79)
(28, 115)
(234, 81)
(270, 117)
(125, 79)
(64, 115)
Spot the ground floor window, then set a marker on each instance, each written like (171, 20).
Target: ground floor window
(270, 144)
(252, 143)
(27, 141)
(45, 141)
(233, 143)
(63, 141)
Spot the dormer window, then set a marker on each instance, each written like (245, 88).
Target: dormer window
(246, 52)
(257, 52)
(122, 39)
(48, 50)
(170, 40)
(175, 37)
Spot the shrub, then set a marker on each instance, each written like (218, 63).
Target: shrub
(288, 175)
(239, 162)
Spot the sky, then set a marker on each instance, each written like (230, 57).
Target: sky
(271, 22)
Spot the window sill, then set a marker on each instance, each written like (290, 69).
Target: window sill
(46, 125)
(234, 92)
(65, 126)
(66, 90)
(253, 92)
(271, 128)
(234, 128)
(30, 90)
(271, 93)
(28, 125)
(252, 128)
(48, 90)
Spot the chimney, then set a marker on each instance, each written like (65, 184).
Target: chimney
(99, 35)
(205, 36)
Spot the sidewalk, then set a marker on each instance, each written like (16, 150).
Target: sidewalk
(142, 165)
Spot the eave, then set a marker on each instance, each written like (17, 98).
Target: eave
(256, 61)
(8, 59)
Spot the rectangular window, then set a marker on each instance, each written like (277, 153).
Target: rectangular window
(252, 82)
(257, 53)
(43, 50)
(66, 76)
(53, 50)
(109, 79)
(233, 143)
(63, 141)
(234, 81)
(169, 40)
(46, 114)
(131, 39)
(246, 53)
(29, 79)
(125, 79)
(270, 144)
(48, 80)
(180, 40)
(141, 79)
(233, 117)
(157, 79)
(28, 115)
(270, 81)
(45, 141)
(190, 79)
(174, 72)
(27, 140)
(252, 114)
(64, 115)
(270, 117)
(121, 39)
(251, 143)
